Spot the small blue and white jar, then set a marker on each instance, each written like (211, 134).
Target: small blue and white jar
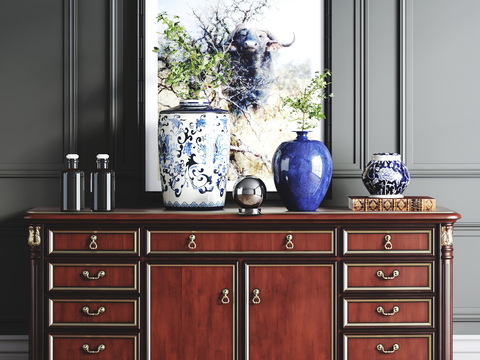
(194, 153)
(386, 176)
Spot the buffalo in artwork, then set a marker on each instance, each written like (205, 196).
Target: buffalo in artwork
(250, 50)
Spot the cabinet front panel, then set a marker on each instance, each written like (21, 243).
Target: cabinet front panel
(191, 311)
(388, 242)
(217, 242)
(92, 242)
(388, 276)
(378, 347)
(92, 277)
(93, 312)
(290, 312)
(63, 347)
(388, 312)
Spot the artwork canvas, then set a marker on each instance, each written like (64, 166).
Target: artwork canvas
(274, 49)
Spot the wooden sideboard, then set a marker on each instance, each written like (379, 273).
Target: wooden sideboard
(153, 284)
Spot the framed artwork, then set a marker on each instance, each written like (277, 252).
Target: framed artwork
(285, 39)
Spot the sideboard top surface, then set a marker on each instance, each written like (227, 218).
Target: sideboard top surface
(230, 214)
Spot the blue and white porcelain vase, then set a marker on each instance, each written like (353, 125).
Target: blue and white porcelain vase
(302, 171)
(386, 176)
(194, 150)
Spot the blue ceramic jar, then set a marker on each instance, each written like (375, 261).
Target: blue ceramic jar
(302, 171)
(386, 175)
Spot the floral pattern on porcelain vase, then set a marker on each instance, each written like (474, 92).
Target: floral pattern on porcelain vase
(194, 150)
(386, 175)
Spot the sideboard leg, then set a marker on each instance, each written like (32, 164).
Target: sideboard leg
(34, 343)
(447, 264)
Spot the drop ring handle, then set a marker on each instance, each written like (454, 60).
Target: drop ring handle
(225, 298)
(192, 245)
(289, 245)
(93, 245)
(388, 245)
(256, 299)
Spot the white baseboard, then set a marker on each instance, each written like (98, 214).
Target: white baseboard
(466, 347)
(15, 347)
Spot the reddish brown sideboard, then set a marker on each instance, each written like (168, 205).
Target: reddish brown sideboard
(154, 284)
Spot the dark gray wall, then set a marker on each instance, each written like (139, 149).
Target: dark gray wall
(404, 78)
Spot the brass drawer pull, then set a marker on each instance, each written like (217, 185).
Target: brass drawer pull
(381, 274)
(93, 245)
(100, 310)
(395, 347)
(395, 310)
(289, 245)
(86, 274)
(86, 348)
(388, 245)
(225, 299)
(192, 245)
(256, 299)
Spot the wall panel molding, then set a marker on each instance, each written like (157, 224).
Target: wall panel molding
(437, 140)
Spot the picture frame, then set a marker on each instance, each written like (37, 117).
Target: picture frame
(148, 86)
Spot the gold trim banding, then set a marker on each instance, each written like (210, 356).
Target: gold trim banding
(380, 324)
(283, 252)
(386, 232)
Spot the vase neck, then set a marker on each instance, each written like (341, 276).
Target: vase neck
(302, 135)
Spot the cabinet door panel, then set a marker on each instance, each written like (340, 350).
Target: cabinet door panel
(190, 317)
(292, 315)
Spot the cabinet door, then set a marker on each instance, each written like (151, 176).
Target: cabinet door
(289, 312)
(191, 316)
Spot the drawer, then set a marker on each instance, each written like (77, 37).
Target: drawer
(86, 347)
(92, 277)
(387, 242)
(388, 276)
(92, 312)
(387, 312)
(93, 242)
(391, 347)
(318, 242)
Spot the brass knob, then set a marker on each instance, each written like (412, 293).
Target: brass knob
(256, 299)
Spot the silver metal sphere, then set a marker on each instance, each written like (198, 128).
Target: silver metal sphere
(249, 193)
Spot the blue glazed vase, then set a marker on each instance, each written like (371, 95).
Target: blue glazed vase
(194, 150)
(302, 171)
(386, 175)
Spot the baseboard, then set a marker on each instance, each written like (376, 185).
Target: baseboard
(15, 347)
(466, 347)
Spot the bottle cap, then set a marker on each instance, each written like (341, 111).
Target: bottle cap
(72, 156)
(102, 157)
